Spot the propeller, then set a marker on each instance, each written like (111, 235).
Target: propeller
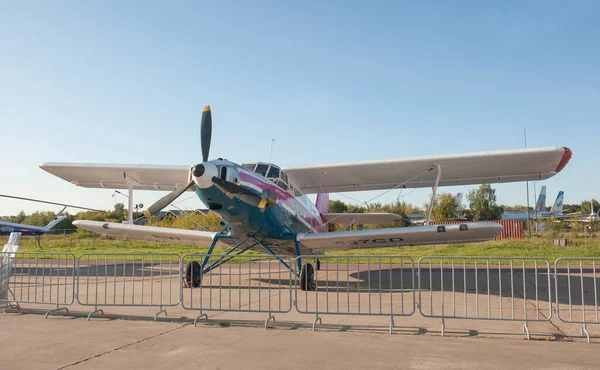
(245, 195)
(166, 200)
(234, 190)
(205, 132)
(199, 170)
(205, 138)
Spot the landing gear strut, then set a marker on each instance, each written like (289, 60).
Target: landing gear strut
(307, 277)
(193, 275)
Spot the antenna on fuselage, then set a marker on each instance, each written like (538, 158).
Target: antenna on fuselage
(271, 151)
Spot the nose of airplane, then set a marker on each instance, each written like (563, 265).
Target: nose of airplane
(203, 174)
(198, 170)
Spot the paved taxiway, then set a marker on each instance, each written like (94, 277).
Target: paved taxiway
(29, 341)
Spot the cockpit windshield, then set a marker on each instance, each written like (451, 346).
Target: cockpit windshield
(270, 171)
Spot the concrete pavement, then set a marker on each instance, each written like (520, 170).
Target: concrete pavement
(30, 342)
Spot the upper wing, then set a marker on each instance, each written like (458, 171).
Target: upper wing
(415, 172)
(116, 176)
(150, 233)
(361, 218)
(401, 237)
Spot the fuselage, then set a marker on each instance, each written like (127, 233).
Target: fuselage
(8, 227)
(291, 212)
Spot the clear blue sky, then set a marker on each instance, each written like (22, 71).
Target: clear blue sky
(125, 82)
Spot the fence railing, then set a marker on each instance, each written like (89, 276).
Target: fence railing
(38, 278)
(485, 288)
(468, 288)
(576, 286)
(357, 285)
(252, 283)
(136, 280)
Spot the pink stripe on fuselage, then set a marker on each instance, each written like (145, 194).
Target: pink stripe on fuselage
(283, 196)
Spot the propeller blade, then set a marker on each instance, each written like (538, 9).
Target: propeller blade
(166, 200)
(205, 132)
(246, 195)
(232, 188)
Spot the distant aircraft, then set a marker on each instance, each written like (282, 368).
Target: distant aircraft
(557, 207)
(539, 212)
(264, 207)
(593, 216)
(8, 227)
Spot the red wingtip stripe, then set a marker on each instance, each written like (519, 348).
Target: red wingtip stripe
(564, 160)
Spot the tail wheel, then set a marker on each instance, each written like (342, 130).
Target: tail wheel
(307, 277)
(193, 275)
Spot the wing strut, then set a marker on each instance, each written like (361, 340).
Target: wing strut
(437, 181)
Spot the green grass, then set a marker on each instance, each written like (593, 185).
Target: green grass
(80, 243)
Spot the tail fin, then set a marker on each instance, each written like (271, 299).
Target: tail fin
(458, 199)
(540, 205)
(558, 203)
(322, 202)
(54, 223)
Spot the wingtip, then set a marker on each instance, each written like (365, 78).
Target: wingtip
(206, 108)
(564, 160)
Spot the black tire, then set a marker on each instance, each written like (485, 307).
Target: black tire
(307, 277)
(192, 270)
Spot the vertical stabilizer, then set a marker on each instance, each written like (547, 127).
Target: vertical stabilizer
(322, 202)
(54, 223)
(540, 205)
(458, 199)
(557, 207)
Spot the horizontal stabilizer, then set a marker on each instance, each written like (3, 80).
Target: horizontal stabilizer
(361, 218)
(403, 236)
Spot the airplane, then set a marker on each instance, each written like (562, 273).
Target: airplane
(266, 207)
(557, 207)
(593, 216)
(540, 209)
(6, 228)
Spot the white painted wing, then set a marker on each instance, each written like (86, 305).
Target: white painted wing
(402, 237)
(457, 169)
(112, 176)
(149, 233)
(361, 218)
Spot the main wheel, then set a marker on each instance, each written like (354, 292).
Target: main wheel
(307, 277)
(193, 275)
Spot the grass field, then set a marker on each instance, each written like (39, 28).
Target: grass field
(80, 243)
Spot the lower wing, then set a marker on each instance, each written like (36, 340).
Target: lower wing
(150, 233)
(401, 237)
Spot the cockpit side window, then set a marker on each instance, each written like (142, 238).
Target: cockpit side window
(262, 169)
(273, 172)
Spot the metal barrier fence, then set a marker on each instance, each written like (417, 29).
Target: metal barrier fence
(358, 285)
(485, 288)
(252, 283)
(576, 283)
(140, 280)
(39, 278)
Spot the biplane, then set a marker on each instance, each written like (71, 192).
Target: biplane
(265, 207)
